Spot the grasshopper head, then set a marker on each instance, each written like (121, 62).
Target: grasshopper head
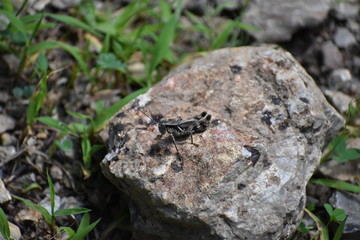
(162, 128)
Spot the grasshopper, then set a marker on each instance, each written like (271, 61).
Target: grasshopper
(183, 128)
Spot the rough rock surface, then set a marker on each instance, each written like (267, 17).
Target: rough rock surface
(245, 176)
(277, 20)
(350, 203)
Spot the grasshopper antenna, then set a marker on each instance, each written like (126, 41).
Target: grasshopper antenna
(148, 116)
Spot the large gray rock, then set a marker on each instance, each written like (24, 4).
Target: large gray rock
(245, 178)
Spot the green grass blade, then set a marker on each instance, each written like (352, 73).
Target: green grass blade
(35, 29)
(33, 108)
(69, 211)
(87, 9)
(165, 8)
(78, 115)
(7, 5)
(321, 226)
(30, 19)
(222, 38)
(22, 7)
(45, 213)
(337, 184)
(116, 26)
(73, 22)
(52, 192)
(64, 144)
(223, 6)
(230, 27)
(54, 123)
(113, 109)
(5, 47)
(199, 25)
(161, 49)
(70, 232)
(106, 44)
(36, 101)
(85, 221)
(4, 225)
(32, 186)
(84, 227)
(131, 10)
(75, 52)
(339, 230)
(79, 128)
(86, 148)
(15, 21)
(95, 148)
(42, 65)
(247, 27)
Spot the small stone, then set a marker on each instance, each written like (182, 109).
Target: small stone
(278, 20)
(354, 26)
(46, 203)
(198, 7)
(56, 173)
(4, 97)
(340, 79)
(341, 171)
(350, 203)
(6, 151)
(354, 143)
(15, 233)
(339, 99)
(346, 9)
(64, 4)
(38, 5)
(356, 62)
(344, 38)
(7, 139)
(28, 214)
(230, 5)
(4, 193)
(331, 55)
(6, 123)
(11, 61)
(70, 202)
(137, 69)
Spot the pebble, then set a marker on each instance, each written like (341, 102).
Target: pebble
(7, 139)
(332, 57)
(56, 173)
(64, 4)
(344, 38)
(4, 193)
(350, 203)
(340, 78)
(6, 151)
(38, 5)
(4, 97)
(6, 123)
(338, 99)
(346, 10)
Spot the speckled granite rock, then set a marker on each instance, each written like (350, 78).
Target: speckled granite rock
(245, 176)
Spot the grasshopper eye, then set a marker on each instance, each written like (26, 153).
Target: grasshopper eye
(203, 114)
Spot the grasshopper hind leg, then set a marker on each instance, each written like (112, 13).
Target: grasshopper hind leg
(177, 150)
